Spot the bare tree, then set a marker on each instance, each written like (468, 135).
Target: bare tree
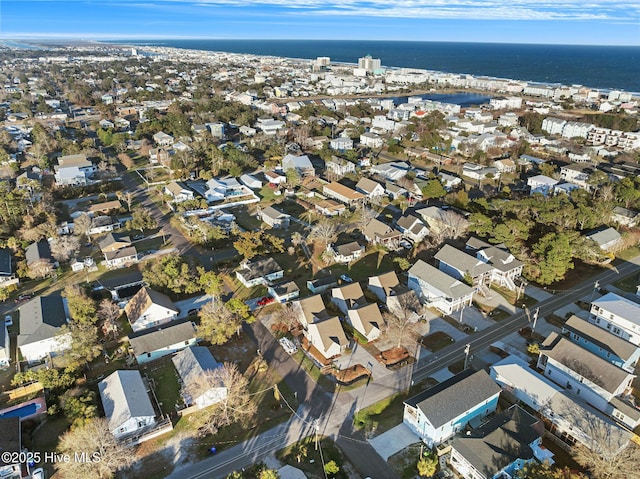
(217, 322)
(92, 438)
(455, 225)
(406, 309)
(127, 197)
(236, 406)
(108, 313)
(325, 231)
(40, 269)
(365, 215)
(81, 224)
(64, 248)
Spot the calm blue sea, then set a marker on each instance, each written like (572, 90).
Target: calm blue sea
(603, 67)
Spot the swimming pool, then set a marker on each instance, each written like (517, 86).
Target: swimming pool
(25, 410)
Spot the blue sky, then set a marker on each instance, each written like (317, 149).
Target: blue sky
(595, 22)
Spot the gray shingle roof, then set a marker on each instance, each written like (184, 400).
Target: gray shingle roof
(452, 287)
(605, 236)
(5, 262)
(600, 337)
(462, 261)
(38, 251)
(455, 396)
(124, 396)
(35, 325)
(148, 341)
(193, 362)
(259, 268)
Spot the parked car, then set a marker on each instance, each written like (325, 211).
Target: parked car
(346, 278)
(8, 320)
(288, 345)
(37, 473)
(406, 244)
(265, 300)
(193, 312)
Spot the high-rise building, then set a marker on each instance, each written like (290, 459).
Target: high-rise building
(369, 64)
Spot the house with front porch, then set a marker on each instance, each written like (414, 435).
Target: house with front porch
(618, 315)
(377, 232)
(151, 344)
(345, 253)
(437, 289)
(440, 412)
(327, 336)
(412, 228)
(464, 267)
(501, 447)
(506, 269)
(259, 271)
(399, 299)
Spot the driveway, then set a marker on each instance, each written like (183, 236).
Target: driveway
(361, 356)
(393, 441)
(473, 318)
(440, 324)
(187, 305)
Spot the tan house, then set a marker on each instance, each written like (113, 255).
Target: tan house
(342, 193)
(149, 308)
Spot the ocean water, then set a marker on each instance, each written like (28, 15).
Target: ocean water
(606, 67)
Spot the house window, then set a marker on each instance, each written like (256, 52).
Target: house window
(186, 343)
(148, 355)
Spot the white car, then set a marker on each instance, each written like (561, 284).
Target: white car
(8, 320)
(288, 345)
(37, 473)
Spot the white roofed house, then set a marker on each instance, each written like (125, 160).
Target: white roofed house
(506, 269)
(126, 403)
(438, 289)
(259, 271)
(607, 239)
(163, 139)
(617, 315)
(178, 191)
(73, 170)
(195, 366)
(275, 218)
(149, 308)
(541, 184)
(301, 164)
(341, 143)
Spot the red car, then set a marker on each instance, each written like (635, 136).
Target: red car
(265, 300)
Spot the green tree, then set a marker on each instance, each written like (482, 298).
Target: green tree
(172, 274)
(217, 322)
(554, 254)
(82, 308)
(85, 345)
(427, 465)
(248, 244)
(331, 467)
(433, 189)
(51, 378)
(141, 219)
(537, 470)
(209, 281)
(268, 474)
(78, 408)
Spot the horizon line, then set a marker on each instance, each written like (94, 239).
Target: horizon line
(109, 39)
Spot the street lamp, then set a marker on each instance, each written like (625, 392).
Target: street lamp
(467, 350)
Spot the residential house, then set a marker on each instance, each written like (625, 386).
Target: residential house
(320, 285)
(479, 172)
(113, 242)
(342, 193)
(341, 143)
(339, 167)
(572, 420)
(283, 292)
(506, 269)
(377, 232)
(73, 170)
(464, 267)
(275, 218)
(11, 445)
(301, 164)
(221, 189)
(448, 180)
(40, 321)
(163, 139)
(7, 275)
(395, 191)
(270, 126)
(617, 315)
(541, 184)
(330, 207)
(251, 182)
(442, 411)
(345, 253)
(578, 174)
(327, 336)
(607, 239)
(259, 271)
(195, 366)
(392, 171)
(39, 252)
(151, 344)
(104, 208)
(412, 228)
(178, 191)
(121, 257)
(500, 447)
(371, 140)
(5, 346)
(399, 299)
(126, 403)
(505, 166)
(625, 217)
(274, 178)
(602, 343)
(442, 221)
(149, 308)
(438, 289)
(102, 224)
(583, 373)
(309, 310)
(348, 296)
(373, 190)
(367, 320)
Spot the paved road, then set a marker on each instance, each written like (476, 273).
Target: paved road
(335, 412)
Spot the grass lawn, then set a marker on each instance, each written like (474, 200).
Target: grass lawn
(150, 244)
(629, 284)
(404, 462)
(245, 219)
(629, 253)
(363, 268)
(268, 195)
(512, 297)
(465, 328)
(312, 370)
(457, 367)
(310, 459)
(436, 341)
(381, 416)
(167, 385)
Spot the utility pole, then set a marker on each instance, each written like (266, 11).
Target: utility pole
(596, 287)
(467, 350)
(317, 429)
